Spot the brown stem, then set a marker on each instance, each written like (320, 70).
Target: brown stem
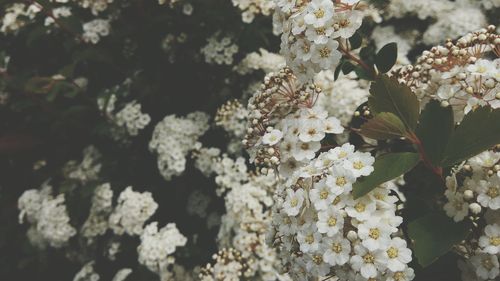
(423, 156)
(357, 60)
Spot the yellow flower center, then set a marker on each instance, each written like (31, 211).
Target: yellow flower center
(324, 52)
(320, 31)
(392, 252)
(358, 165)
(332, 221)
(492, 192)
(342, 154)
(323, 194)
(360, 207)
(374, 233)
(368, 258)
(337, 247)
(309, 239)
(486, 262)
(399, 276)
(319, 13)
(495, 241)
(341, 181)
(294, 202)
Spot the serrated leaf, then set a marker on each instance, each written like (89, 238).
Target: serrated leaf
(434, 130)
(388, 95)
(433, 235)
(386, 57)
(478, 131)
(384, 126)
(386, 167)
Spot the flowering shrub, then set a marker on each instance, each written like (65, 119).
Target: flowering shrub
(266, 140)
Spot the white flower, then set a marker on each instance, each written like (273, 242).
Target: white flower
(364, 261)
(489, 192)
(362, 209)
(396, 254)
(319, 12)
(346, 23)
(305, 150)
(273, 137)
(338, 250)
(316, 265)
(483, 67)
(360, 164)
(486, 265)
(293, 201)
(404, 275)
(333, 126)
(340, 180)
(490, 241)
(330, 222)
(456, 207)
(321, 195)
(374, 234)
(326, 55)
(342, 152)
(319, 35)
(313, 130)
(309, 238)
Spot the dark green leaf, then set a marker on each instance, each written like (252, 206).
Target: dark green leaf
(71, 23)
(386, 167)
(355, 41)
(347, 67)
(434, 130)
(35, 34)
(478, 131)
(433, 235)
(384, 126)
(336, 73)
(388, 95)
(386, 57)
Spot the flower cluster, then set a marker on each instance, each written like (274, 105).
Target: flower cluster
(88, 169)
(173, 138)
(48, 216)
(232, 117)
(219, 51)
(315, 32)
(458, 74)
(263, 60)
(473, 191)
(157, 246)
(96, 6)
(132, 119)
(250, 8)
(102, 206)
(95, 29)
(228, 265)
(16, 15)
(281, 94)
(132, 211)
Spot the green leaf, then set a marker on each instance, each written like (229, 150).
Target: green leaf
(386, 57)
(355, 41)
(336, 73)
(386, 167)
(433, 235)
(388, 95)
(384, 126)
(347, 67)
(478, 131)
(71, 23)
(434, 130)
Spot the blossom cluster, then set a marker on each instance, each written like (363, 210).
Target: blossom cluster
(314, 33)
(50, 223)
(473, 192)
(88, 169)
(173, 138)
(262, 60)
(132, 211)
(102, 206)
(157, 246)
(251, 8)
(95, 29)
(219, 51)
(458, 74)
